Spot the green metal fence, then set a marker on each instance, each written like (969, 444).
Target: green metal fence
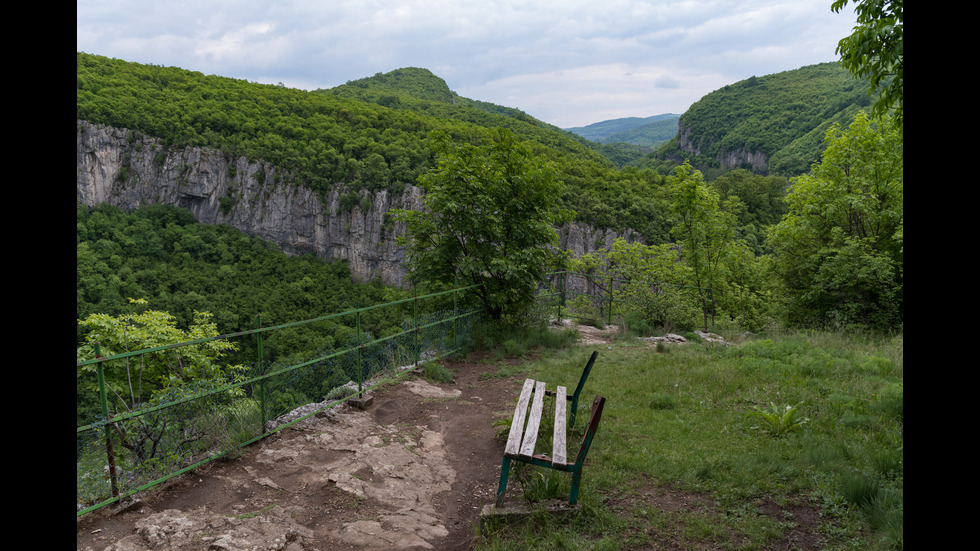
(119, 455)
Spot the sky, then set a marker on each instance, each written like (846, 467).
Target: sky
(567, 62)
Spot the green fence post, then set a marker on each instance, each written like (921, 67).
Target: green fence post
(263, 399)
(360, 364)
(110, 453)
(418, 337)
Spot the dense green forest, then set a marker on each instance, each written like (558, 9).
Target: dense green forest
(783, 115)
(160, 253)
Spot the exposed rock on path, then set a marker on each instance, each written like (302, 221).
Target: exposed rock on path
(412, 471)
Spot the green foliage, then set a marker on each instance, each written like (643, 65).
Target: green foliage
(413, 81)
(762, 203)
(133, 381)
(875, 51)
(839, 249)
(706, 235)
(161, 252)
(369, 136)
(648, 286)
(488, 220)
(655, 290)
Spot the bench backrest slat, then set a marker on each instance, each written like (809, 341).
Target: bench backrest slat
(597, 405)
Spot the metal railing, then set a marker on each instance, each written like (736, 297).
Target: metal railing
(121, 454)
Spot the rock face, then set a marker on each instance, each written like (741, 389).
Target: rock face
(127, 169)
(727, 158)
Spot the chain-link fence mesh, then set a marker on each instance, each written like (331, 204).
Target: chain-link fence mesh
(184, 427)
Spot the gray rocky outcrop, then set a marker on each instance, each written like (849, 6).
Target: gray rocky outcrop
(127, 169)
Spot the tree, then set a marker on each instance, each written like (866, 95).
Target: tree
(133, 381)
(874, 51)
(839, 248)
(647, 282)
(706, 233)
(489, 218)
(155, 378)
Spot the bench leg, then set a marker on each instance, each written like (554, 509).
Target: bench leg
(502, 487)
(576, 482)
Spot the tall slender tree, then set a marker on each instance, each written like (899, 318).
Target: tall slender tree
(705, 233)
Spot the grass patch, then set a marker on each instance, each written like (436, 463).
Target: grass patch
(435, 372)
(683, 421)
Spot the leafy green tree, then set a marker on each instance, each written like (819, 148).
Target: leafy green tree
(874, 51)
(706, 234)
(839, 248)
(132, 381)
(647, 283)
(153, 378)
(489, 218)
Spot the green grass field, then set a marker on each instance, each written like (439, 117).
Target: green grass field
(700, 448)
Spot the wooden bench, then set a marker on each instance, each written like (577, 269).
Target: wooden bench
(523, 437)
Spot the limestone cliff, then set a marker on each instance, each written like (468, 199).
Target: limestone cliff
(729, 158)
(128, 169)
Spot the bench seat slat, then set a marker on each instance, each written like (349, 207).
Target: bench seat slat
(559, 454)
(533, 421)
(517, 424)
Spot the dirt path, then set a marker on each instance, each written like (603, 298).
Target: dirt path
(411, 471)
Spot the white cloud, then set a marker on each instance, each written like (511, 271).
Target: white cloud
(564, 62)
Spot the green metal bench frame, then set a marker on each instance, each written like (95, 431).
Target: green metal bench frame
(520, 442)
(578, 389)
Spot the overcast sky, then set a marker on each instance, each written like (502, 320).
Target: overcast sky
(566, 62)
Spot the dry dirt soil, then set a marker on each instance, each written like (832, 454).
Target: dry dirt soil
(412, 470)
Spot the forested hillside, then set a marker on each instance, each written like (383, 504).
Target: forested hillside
(374, 134)
(771, 124)
(323, 138)
(162, 254)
